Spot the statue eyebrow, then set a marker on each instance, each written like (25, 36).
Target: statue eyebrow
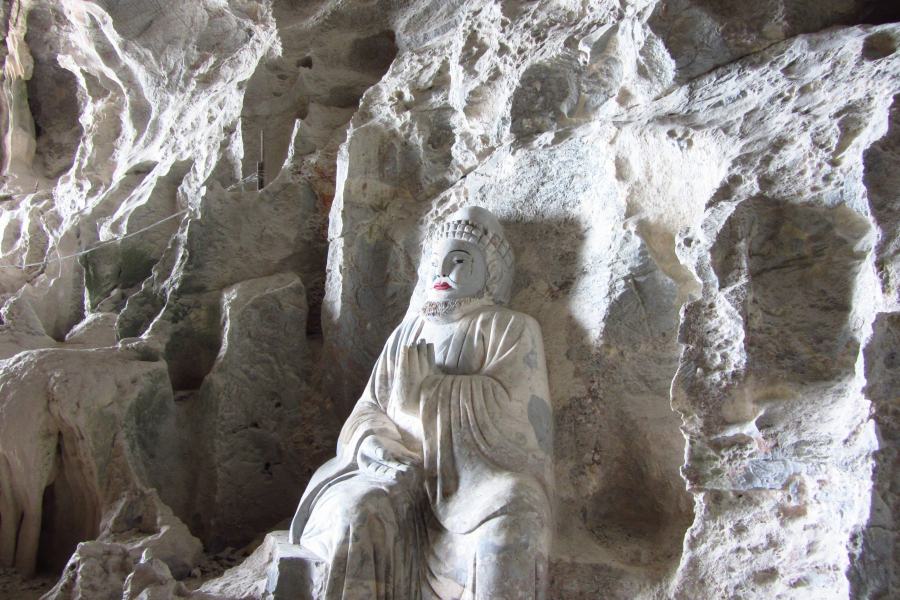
(460, 251)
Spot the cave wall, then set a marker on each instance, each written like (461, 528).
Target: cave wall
(701, 196)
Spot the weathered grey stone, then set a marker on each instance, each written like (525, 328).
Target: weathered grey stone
(98, 330)
(250, 580)
(91, 455)
(263, 451)
(294, 572)
(151, 580)
(96, 570)
(704, 213)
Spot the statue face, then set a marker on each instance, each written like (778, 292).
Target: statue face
(458, 271)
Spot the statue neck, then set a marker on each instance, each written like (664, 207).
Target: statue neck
(449, 311)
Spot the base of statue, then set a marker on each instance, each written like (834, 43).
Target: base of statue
(294, 572)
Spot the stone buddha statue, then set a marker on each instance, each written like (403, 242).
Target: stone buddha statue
(442, 487)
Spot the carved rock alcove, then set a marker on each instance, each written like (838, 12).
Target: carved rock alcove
(701, 195)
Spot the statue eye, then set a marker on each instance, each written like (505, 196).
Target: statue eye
(459, 261)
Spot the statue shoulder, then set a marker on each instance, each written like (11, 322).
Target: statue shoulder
(510, 318)
(402, 332)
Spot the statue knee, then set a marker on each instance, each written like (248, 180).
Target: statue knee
(511, 556)
(513, 531)
(374, 503)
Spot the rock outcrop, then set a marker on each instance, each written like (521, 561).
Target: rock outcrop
(703, 199)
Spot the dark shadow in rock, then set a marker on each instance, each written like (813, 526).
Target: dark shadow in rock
(191, 350)
(131, 18)
(642, 509)
(792, 274)
(281, 91)
(702, 35)
(383, 289)
(880, 44)
(344, 96)
(881, 177)
(373, 53)
(52, 93)
(71, 510)
(622, 439)
(546, 93)
(876, 12)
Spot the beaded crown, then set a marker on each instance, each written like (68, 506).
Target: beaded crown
(486, 240)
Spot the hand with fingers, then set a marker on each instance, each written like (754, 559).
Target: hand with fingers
(416, 364)
(388, 459)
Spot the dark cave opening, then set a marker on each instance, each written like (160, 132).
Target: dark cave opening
(877, 12)
(69, 513)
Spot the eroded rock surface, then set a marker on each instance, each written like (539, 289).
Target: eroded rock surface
(703, 198)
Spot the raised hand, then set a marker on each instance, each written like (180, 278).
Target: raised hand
(388, 459)
(415, 364)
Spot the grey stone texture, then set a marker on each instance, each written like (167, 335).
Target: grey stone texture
(702, 198)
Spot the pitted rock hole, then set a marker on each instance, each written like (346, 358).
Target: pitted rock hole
(879, 45)
(52, 96)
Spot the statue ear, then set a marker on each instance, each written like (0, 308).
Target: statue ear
(490, 284)
(499, 279)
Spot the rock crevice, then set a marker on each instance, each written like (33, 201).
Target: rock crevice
(701, 195)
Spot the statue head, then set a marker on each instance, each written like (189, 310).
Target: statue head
(470, 259)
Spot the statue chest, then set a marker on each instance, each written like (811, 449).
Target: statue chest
(458, 350)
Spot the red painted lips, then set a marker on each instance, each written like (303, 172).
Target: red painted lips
(443, 286)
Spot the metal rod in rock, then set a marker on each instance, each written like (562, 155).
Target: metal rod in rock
(261, 165)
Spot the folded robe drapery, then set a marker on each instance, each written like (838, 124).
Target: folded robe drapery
(483, 426)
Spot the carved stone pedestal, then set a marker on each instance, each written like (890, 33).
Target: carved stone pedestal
(294, 573)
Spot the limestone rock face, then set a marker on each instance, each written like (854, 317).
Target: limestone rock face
(82, 431)
(702, 196)
(264, 451)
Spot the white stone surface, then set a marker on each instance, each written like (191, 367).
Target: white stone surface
(293, 571)
(97, 426)
(250, 580)
(704, 205)
(443, 483)
(98, 330)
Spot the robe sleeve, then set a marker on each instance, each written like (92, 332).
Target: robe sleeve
(489, 445)
(367, 418)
